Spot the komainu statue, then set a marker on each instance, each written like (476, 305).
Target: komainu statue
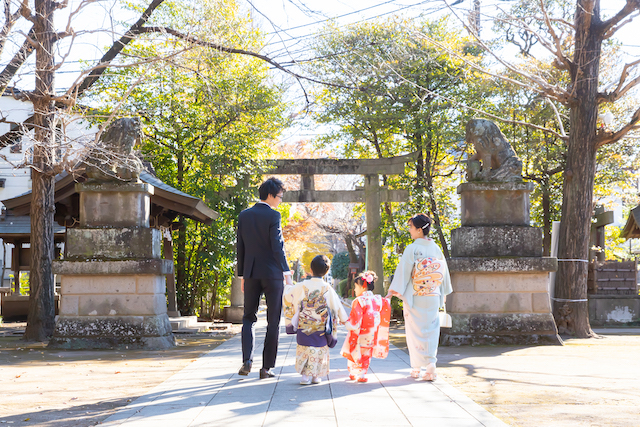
(494, 160)
(113, 159)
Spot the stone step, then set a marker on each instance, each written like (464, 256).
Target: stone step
(182, 322)
(190, 325)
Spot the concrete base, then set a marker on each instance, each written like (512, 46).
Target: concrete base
(614, 310)
(112, 332)
(113, 244)
(114, 204)
(500, 301)
(510, 329)
(494, 203)
(233, 314)
(122, 311)
(496, 241)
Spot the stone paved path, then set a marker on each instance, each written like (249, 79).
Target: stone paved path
(209, 392)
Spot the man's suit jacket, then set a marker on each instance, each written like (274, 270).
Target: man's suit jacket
(260, 243)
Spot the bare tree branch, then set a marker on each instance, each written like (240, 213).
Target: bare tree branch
(16, 62)
(558, 118)
(621, 90)
(117, 47)
(610, 26)
(25, 11)
(561, 21)
(611, 137)
(563, 61)
(216, 46)
(554, 92)
(143, 61)
(9, 21)
(73, 13)
(484, 113)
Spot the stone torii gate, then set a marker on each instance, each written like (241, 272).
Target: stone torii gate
(372, 195)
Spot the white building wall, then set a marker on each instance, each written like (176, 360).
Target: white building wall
(78, 134)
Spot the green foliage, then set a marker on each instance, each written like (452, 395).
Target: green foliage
(340, 265)
(343, 288)
(208, 118)
(615, 249)
(397, 68)
(396, 308)
(24, 284)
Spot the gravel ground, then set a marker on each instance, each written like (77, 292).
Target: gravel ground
(42, 387)
(586, 382)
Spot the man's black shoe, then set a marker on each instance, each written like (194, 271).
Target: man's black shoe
(246, 368)
(266, 373)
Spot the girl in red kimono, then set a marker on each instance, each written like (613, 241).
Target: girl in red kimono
(368, 327)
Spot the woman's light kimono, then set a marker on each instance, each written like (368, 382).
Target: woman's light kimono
(306, 310)
(420, 306)
(368, 332)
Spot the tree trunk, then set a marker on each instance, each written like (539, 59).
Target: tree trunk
(546, 217)
(41, 317)
(353, 257)
(427, 179)
(182, 288)
(570, 308)
(436, 219)
(214, 297)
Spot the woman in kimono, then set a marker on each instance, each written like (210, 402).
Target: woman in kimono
(308, 307)
(421, 281)
(368, 327)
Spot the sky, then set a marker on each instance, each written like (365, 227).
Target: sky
(288, 25)
(287, 20)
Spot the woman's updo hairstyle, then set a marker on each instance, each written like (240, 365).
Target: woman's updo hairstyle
(421, 221)
(367, 278)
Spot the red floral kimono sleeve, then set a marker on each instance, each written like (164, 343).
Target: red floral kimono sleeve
(381, 349)
(351, 348)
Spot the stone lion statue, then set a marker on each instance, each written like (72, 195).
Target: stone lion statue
(495, 159)
(113, 159)
(564, 322)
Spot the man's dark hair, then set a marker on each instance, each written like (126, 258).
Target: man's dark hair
(320, 265)
(271, 186)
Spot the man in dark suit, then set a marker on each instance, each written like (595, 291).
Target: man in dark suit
(262, 267)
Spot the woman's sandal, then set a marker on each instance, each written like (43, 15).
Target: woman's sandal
(430, 374)
(415, 373)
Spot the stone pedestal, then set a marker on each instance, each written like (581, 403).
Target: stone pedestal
(499, 277)
(234, 312)
(494, 203)
(112, 278)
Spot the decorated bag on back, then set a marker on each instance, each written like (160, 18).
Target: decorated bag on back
(427, 275)
(314, 311)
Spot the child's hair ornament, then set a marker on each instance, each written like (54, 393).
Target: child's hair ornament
(368, 277)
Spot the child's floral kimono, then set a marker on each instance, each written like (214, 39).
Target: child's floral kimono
(368, 336)
(307, 307)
